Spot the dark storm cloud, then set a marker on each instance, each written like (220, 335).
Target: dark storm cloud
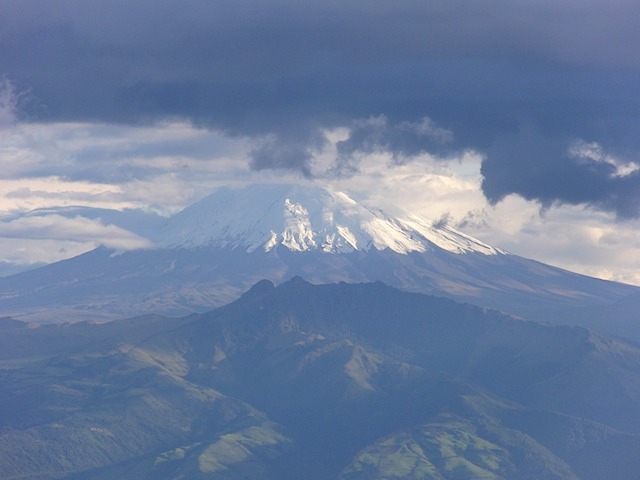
(550, 170)
(276, 152)
(281, 71)
(404, 140)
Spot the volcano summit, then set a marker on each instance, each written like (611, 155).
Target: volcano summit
(212, 251)
(305, 219)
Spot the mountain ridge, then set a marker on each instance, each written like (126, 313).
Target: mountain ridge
(197, 276)
(335, 381)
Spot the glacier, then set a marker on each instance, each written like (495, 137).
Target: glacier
(306, 218)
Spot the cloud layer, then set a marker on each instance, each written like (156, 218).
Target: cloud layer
(482, 114)
(443, 188)
(520, 82)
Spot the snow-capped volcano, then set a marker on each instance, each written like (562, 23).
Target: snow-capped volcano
(213, 251)
(306, 218)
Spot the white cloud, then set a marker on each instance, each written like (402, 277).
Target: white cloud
(593, 152)
(572, 237)
(62, 236)
(175, 164)
(114, 166)
(28, 194)
(427, 185)
(52, 165)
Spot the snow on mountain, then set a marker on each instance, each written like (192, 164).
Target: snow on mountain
(213, 251)
(305, 218)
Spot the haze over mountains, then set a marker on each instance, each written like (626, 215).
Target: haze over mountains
(211, 252)
(319, 382)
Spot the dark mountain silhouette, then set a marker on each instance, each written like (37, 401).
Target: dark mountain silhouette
(333, 381)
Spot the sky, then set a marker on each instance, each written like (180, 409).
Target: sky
(515, 121)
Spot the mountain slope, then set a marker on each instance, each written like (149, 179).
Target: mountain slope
(319, 382)
(211, 252)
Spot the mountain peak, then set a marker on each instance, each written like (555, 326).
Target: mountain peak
(303, 218)
(263, 287)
